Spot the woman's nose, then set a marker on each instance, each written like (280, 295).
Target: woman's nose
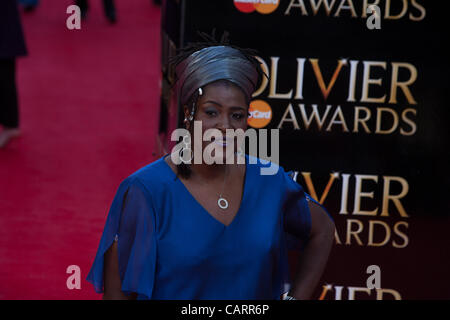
(224, 123)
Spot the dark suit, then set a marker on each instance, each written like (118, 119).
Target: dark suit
(12, 45)
(12, 42)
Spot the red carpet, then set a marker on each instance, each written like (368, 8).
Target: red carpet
(89, 114)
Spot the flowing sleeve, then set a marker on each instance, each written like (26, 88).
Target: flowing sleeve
(297, 215)
(130, 222)
(296, 223)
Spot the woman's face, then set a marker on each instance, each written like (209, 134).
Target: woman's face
(222, 106)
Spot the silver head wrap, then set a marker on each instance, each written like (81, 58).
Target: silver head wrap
(211, 64)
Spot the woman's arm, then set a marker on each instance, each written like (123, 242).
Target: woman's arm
(315, 255)
(112, 281)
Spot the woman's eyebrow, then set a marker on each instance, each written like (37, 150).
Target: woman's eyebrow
(216, 103)
(238, 108)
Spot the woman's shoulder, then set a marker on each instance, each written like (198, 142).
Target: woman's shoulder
(154, 176)
(266, 167)
(273, 175)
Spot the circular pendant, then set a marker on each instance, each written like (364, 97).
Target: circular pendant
(222, 203)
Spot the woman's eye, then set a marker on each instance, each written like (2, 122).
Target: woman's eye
(210, 112)
(238, 116)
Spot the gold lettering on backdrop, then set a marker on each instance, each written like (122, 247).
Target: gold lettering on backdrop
(331, 117)
(338, 295)
(326, 89)
(409, 122)
(352, 290)
(395, 83)
(274, 76)
(325, 289)
(394, 293)
(338, 113)
(416, 10)
(366, 4)
(387, 13)
(387, 197)
(318, 73)
(264, 81)
(380, 293)
(315, 115)
(368, 81)
(370, 242)
(378, 228)
(420, 8)
(300, 76)
(312, 189)
(315, 6)
(361, 121)
(354, 233)
(378, 129)
(292, 118)
(363, 232)
(296, 4)
(344, 193)
(387, 120)
(336, 237)
(394, 198)
(359, 194)
(347, 7)
(273, 81)
(401, 235)
(352, 81)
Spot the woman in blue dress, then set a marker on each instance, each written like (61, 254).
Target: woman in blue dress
(211, 231)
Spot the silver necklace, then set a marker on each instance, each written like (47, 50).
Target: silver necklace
(222, 202)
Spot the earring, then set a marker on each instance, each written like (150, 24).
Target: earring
(182, 156)
(191, 116)
(186, 147)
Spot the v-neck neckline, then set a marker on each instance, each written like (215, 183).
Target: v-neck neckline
(186, 190)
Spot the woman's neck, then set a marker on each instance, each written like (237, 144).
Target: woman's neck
(210, 172)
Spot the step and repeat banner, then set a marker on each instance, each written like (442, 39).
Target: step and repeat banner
(359, 92)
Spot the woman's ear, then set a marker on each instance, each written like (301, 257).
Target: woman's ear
(186, 116)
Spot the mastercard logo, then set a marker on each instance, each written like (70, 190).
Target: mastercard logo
(260, 114)
(261, 6)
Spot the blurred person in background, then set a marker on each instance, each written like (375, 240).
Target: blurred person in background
(12, 45)
(108, 6)
(29, 5)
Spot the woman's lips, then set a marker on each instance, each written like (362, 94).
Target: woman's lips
(222, 142)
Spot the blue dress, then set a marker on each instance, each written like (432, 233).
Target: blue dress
(170, 247)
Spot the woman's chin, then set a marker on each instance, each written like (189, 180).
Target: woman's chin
(222, 152)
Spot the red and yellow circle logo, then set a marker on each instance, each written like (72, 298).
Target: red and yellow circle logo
(260, 114)
(261, 6)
